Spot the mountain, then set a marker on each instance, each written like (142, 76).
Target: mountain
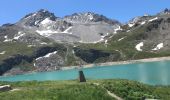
(40, 41)
(34, 19)
(74, 26)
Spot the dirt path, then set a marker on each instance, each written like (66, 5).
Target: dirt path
(110, 93)
(15, 90)
(114, 95)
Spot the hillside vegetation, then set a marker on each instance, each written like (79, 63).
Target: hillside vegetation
(92, 90)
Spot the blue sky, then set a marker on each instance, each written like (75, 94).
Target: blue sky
(122, 10)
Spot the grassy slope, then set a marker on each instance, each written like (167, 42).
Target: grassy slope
(126, 46)
(15, 48)
(72, 90)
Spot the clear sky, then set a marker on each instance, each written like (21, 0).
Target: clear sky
(122, 10)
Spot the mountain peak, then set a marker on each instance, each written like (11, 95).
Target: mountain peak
(42, 13)
(164, 12)
(33, 19)
(167, 11)
(88, 17)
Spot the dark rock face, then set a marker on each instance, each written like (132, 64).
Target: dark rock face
(155, 24)
(158, 30)
(5, 88)
(91, 55)
(13, 61)
(45, 50)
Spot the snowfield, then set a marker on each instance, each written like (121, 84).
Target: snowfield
(48, 55)
(153, 19)
(138, 46)
(20, 34)
(158, 47)
(131, 24)
(3, 52)
(46, 21)
(117, 29)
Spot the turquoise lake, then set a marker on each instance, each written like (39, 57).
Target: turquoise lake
(153, 73)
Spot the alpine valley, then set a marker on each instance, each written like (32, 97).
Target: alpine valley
(40, 41)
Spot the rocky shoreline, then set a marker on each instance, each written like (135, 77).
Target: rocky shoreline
(118, 63)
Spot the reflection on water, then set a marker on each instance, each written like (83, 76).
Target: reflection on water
(164, 73)
(154, 73)
(142, 73)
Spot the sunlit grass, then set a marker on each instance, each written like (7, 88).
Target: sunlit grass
(73, 90)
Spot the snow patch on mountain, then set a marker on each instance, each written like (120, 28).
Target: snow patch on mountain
(90, 17)
(2, 53)
(131, 24)
(153, 19)
(20, 34)
(7, 39)
(31, 15)
(46, 33)
(48, 55)
(121, 38)
(106, 42)
(67, 30)
(31, 46)
(138, 46)
(101, 40)
(142, 23)
(46, 21)
(158, 47)
(5, 36)
(43, 43)
(117, 29)
(133, 21)
(128, 31)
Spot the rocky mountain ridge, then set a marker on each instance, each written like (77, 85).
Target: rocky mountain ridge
(48, 25)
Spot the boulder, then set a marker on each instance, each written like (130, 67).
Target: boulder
(5, 88)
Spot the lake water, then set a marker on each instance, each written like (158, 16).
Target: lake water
(153, 73)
